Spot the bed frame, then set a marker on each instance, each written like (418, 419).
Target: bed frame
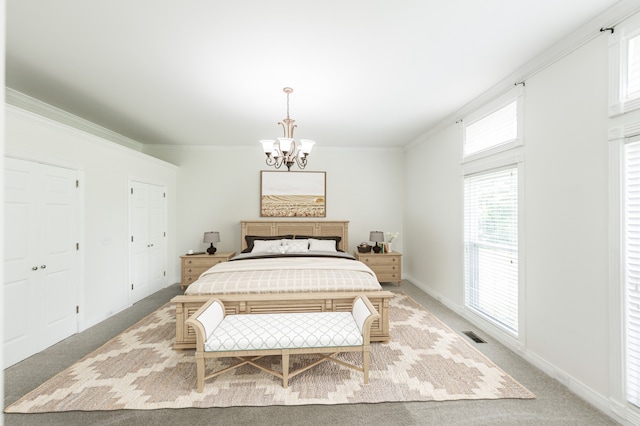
(187, 305)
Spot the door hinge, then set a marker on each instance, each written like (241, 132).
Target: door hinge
(131, 286)
(132, 238)
(77, 309)
(164, 273)
(132, 191)
(77, 183)
(164, 195)
(77, 246)
(164, 234)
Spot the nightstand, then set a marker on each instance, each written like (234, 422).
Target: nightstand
(387, 266)
(193, 265)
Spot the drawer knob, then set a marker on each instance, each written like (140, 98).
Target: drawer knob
(189, 262)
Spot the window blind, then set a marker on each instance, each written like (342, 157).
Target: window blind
(491, 246)
(633, 68)
(632, 269)
(495, 129)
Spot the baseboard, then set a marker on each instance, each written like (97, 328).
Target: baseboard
(613, 409)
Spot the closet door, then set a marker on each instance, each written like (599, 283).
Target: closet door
(40, 282)
(148, 236)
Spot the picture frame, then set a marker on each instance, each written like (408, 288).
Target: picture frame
(292, 194)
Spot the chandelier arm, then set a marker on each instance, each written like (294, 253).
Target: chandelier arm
(301, 162)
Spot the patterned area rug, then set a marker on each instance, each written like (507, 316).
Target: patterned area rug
(139, 369)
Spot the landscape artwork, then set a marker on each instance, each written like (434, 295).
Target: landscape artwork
(292, 194)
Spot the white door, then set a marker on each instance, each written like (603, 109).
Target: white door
(40, 282)
(157, 237)
(148, 236)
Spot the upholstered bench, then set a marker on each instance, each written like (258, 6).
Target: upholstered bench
(250, 337)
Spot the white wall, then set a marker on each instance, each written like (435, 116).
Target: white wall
(566, 306)
(218, 187)
(107, 168)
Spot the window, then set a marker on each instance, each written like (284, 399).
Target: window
(492, 144)
(624, 62)
(631, 247)
(491, 246)
(500, 127)
(494, 128)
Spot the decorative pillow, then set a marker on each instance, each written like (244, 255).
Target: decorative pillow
(266, 246)
(336, 238)
(297, 246)
(251, 238)
(322, 245)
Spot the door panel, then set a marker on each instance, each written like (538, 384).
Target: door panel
(40, 282)
(139, 245)
(157, 252)
(59, 254)
(148, 248)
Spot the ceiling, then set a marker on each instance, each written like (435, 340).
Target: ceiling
(365, 73)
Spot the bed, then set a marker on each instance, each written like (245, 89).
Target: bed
(306, 282)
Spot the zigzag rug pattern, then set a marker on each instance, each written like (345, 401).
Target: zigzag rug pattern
(139, 369)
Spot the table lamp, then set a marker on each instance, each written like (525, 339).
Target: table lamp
(211, 237)
(376, 237)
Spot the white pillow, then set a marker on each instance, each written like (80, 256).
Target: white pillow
(322, 245)
(266, 246)
(297, 246)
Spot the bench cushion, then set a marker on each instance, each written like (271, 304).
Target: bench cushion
(284, 331)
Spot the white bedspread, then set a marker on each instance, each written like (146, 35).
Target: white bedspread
(285, 275)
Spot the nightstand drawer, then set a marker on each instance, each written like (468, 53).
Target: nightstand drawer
(386, 266)
(193, 266)
(200, 263)
(381, 260)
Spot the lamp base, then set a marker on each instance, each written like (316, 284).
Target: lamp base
(211, 249)
(377, 248)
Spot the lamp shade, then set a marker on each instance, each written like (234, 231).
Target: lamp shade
(211, 237)
(376, 236)
(267, 145)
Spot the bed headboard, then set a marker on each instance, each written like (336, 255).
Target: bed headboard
(316, 228)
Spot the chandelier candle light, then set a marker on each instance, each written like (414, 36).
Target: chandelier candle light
(286, 150)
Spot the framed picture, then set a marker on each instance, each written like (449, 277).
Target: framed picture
(292, 194)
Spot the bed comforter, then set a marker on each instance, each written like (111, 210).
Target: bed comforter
(286, 275)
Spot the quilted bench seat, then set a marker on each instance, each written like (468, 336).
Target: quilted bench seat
(249, 337)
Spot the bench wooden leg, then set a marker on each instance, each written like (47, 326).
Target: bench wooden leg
(200, 372)
(365, 363)
(285, 368)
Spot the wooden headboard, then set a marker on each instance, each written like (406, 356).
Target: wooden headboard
(316, 228)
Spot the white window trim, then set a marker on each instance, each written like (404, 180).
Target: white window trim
(484, 165)
(517, 94)
(618, 60)
(617, 374)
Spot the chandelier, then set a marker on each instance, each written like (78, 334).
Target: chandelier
(286, 150)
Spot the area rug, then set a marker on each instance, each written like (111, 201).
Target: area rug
(139, 369)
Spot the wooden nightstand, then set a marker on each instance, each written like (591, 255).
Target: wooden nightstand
(387, 266)
(192, 266)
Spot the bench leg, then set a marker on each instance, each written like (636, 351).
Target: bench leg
(365, 364)
(200, 372)
(285, 368)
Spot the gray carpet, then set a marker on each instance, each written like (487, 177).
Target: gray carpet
(554, 405)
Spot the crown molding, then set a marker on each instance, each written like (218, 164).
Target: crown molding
(35, 106)
(581, 36)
